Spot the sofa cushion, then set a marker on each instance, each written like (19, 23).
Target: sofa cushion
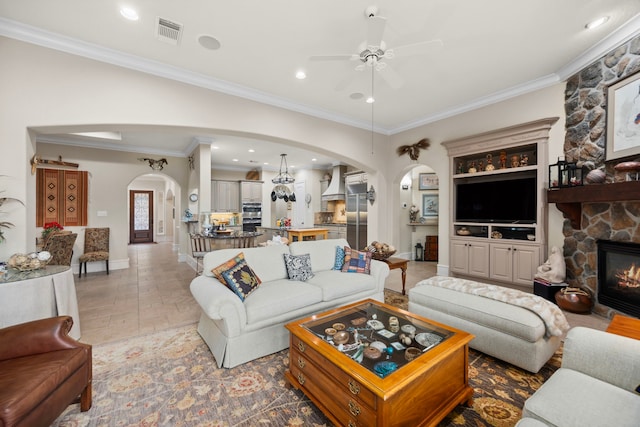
(271, 298)
(506, 318)
(571, 398)
(227, 265)
(298, 267)
(241, 279)
(322, 252)
(266, 262)
(356, 261)
(335, 284)
(339, 261)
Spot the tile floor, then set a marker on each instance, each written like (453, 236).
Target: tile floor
(153, 294)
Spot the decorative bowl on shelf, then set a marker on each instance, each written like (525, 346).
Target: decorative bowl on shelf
(463, 231)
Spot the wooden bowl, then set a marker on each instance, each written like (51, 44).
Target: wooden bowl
(574, 300)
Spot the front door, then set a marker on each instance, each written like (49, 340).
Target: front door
(140, 216)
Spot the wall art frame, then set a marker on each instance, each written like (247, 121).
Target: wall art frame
(429, 205)
(427, 181)
(623, 118)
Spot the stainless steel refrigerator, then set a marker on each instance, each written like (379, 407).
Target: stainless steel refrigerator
(357, 215)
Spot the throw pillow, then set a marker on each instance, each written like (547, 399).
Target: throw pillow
(356, 261)
(241, 279)
(298, 267)
(339, 262)
(217, 272)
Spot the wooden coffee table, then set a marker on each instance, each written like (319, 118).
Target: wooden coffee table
(384, 390)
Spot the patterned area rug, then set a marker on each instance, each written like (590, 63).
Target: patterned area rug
(170, 379)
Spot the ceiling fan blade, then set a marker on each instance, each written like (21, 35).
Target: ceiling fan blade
(375, 30)
(420, 48)
(391, 77)
(340, 57)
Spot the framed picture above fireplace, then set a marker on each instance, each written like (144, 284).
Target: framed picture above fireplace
(623, 118)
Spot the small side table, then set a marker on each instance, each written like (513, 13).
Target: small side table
(400, 263)
(625, 326)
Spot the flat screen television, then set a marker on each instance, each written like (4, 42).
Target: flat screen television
(503, 201)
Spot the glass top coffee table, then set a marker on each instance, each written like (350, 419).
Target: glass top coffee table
(372, 364)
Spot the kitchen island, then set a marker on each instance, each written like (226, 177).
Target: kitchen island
(233, 239)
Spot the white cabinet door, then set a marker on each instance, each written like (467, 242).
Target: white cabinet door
(478, 259)
(459, 256)
(501, 267)
(526, 260)
(251, 192)
(470, 258)
(225, 196)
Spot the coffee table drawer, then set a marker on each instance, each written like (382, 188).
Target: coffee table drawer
(349, 410)
(341, 378)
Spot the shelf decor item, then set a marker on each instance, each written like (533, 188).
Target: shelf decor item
(565, 174)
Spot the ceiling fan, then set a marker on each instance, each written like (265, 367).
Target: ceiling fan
(373, 51)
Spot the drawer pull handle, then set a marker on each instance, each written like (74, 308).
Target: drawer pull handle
(301, 379)
(301, 362)
(352, 424)
(301, 346)
(354, 387)
(354, 409)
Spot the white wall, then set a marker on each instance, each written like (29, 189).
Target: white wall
(548, 102)
(48, 91)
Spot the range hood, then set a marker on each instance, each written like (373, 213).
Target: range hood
(335, 191)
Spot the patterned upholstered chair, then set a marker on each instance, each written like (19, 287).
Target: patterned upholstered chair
(60, 246)
(96, 248)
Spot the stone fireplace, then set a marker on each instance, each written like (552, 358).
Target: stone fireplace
(602, 212)
(619, 276)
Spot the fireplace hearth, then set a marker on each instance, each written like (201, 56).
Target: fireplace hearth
(619, 276)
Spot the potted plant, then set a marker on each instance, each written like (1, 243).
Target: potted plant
(49, 229)
(5, 224)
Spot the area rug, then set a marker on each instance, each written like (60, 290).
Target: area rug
(170, 378)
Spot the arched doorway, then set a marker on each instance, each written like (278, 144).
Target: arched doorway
(160, 211)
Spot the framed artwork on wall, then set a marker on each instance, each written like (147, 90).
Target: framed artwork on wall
(623, 118)
(429, 205)
(427, 181)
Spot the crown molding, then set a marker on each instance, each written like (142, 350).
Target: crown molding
(104, 145)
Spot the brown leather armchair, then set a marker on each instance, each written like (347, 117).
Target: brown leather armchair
(42, 371)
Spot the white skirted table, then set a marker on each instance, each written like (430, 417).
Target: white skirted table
(38, 294)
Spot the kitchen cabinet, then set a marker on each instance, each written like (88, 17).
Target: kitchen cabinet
(251, 191)
(335, 231)
(514, 263)
(470, 258)
(225, 196)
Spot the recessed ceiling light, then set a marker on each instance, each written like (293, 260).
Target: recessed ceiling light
(251, 150)
(356, 95)
(265, 163)
(234, 160)
(596, 22)
(370, 100)
(215, 147)
(301, 75)
(129, 13)
(209, 42)
(314, 160)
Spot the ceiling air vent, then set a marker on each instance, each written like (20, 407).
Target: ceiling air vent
(168, 31)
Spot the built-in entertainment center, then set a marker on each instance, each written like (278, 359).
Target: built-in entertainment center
(498, 223)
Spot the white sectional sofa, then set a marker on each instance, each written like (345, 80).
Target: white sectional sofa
(598, 384)
(503, 330)
(238, 331)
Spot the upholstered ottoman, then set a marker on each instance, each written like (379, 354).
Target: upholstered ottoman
(517, 327)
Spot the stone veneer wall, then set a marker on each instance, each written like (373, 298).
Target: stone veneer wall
(585, 107)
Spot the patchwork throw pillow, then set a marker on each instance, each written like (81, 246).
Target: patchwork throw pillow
(241, 279)
(339, 262)
(217, 272)
(356, 261)
(298, 267)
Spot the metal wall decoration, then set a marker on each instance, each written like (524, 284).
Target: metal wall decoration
(156, 165)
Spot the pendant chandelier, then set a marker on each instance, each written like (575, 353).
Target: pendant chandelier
(281, 191)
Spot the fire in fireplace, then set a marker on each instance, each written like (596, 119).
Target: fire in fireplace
(619, 276)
